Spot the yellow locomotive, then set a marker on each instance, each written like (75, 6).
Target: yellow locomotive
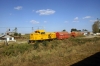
(40, 35)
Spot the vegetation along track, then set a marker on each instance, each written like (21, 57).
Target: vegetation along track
(53, 53)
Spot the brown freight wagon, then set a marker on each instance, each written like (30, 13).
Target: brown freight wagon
(76, 34)
(62, 35)
(73, 34)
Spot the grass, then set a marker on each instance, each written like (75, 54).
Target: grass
(53, 53)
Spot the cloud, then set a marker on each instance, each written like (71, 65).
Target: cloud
(45, 21)
(18, 7)
(76, 19)
(86, 17)
(34, 22)
(93, 20)
(45, 12)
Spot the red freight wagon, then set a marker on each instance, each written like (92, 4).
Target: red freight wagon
(62, 35)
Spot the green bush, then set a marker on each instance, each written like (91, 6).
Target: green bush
(36, 45)
(45, 43)
(77, 41)
(55, 43)
(14, 50)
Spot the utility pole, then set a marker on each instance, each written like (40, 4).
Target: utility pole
(7, 32)
(15, 29)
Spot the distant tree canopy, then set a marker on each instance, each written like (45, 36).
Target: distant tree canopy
(15, 34)
(19, 34)
(95, 27)
(76, 30)
(64, 30)
(73, 29)
(84, 30)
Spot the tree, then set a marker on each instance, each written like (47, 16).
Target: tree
(78, 30)
(95, 27)
(64, 30)
(19, 34)
(73, 29)
(15, 34)
(84, 30)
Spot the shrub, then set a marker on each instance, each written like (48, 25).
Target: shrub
(55, 43)
(14, 50)
(36, 45)
(45, 43)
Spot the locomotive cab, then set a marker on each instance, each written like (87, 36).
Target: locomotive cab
(40, 31)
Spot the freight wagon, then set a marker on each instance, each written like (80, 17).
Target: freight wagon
(41, 35)
(62, 35)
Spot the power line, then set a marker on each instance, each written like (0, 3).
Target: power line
(21, 27)
(15, 27)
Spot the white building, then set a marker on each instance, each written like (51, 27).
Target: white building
(7, 38)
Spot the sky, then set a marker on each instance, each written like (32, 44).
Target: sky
(50, 15)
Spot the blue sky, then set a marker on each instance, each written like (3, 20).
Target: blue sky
(52, 15)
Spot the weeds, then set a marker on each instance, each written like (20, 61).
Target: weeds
(53, 53)
(45, 43)
(14, 50)
(36, 45)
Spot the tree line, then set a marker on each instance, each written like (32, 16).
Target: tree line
(96, 26)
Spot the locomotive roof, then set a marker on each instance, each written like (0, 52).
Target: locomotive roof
(41, 30)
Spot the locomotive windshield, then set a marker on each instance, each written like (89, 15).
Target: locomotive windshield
(37, 32)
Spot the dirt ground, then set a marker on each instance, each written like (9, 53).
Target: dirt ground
(90, 36)
(17, 42)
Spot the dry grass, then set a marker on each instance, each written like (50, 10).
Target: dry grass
(54, 53)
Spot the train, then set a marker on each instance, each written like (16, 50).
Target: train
(41, 35)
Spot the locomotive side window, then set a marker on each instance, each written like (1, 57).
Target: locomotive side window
(35, 31)
(42, 32)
